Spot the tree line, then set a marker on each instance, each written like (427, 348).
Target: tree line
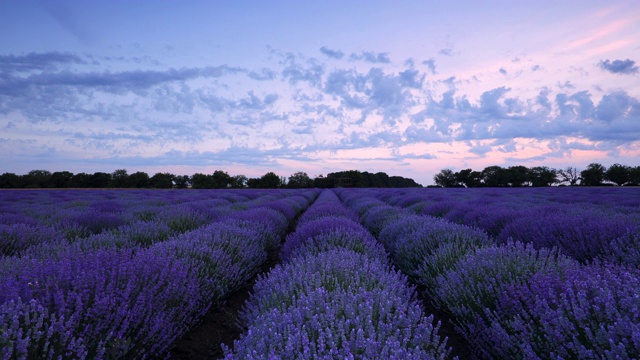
(219, 179)
(595, 174)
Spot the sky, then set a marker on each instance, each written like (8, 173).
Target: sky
(403, 87)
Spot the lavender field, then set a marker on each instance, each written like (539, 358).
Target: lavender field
(537, 273)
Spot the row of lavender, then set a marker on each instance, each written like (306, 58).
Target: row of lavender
(509, 300)
(109, 294)
(335, 296)
(585, 223)
(111, 218)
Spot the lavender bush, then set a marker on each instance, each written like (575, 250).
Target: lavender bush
(94, 304)
(332, 270)
(340, 231)
(475, 283)
(588, 312)
(327, 208)
(326, 324)
(376, 218)
(413, 249)
(581, 234)
(16, 238)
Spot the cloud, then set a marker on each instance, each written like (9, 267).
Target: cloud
(334, 54)
(263, 75)
(47, 61)
(372, 57)
(446, 52)
(309, 70)
(431, 63)
(566, 85)
(626, 67)
(114, 82)
(411, 78)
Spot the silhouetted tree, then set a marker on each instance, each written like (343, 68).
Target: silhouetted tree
(593, 175)
(322, 182)
(238, 181)
(300, 179)
(445, 178)
(220, 180)
(570, 175)
(618, 174)
(182, 181)
(10, 181)
(201, 181)
(100, 180)
(542, 176)
(270, 181)
(469, 178)
(494, 176)
(517, 176)
(60, 179)
(119, 178)
(161, 181)
(37, 179)
(139, 179)
(634, 176)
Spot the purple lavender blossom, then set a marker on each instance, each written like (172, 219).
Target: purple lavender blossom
(474, 284)
(335, 269)
(580, 233)
(16, 238)
(320, 209)
(588, 312)
(340, 324)
(337, 227)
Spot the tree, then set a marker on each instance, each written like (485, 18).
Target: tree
(494, 176)
(570, 175)
(542, 176)
(162, 181)
(300, 179)
(239, 181)
(99, 180)
(61, 179)
(139, 179)
(517, 176)
(182, 181)
(634, 176)
(469, 178)
(593, 175)
(445, 178)
(220, 180)
(619, 174)
(200, 181)
(268, 181)
(10, 181)
(119, 178)
(37, 179)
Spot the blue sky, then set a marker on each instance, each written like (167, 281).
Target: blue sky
(404, 87)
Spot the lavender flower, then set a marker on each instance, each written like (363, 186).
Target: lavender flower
(16, 238)
(337, 226)
(336, 324)
(475, 283)
(331, 270)
(414, 248)
(587, 312)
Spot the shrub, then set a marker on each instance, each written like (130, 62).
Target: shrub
(474, 283)
(587, 312)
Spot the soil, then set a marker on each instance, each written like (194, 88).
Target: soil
(219, 325)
